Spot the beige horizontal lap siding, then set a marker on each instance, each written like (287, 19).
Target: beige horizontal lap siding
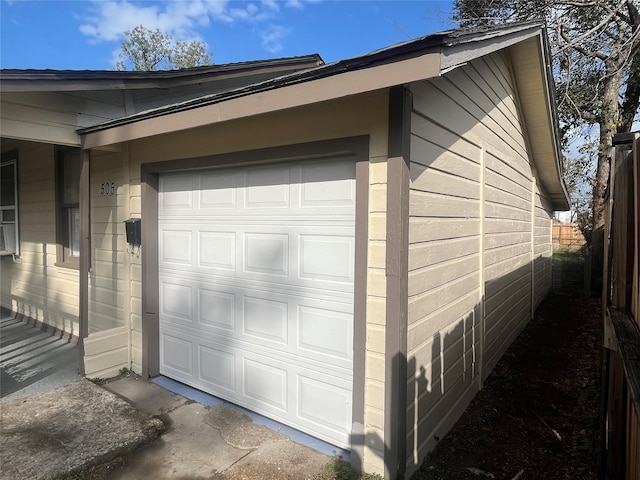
(507, 254)
(107, 347)
(444, 268)
(359, 115)
(33, 285)
(508, 220)
(542, 246)
(470, 239)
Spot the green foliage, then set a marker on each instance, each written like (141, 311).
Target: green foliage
(147, 50)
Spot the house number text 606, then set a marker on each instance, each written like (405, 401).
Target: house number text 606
(108, 188)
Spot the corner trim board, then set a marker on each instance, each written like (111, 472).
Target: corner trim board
(397, 267)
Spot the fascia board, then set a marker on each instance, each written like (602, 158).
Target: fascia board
(456, 54)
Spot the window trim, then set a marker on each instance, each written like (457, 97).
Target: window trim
(64, 258)
(8, 157)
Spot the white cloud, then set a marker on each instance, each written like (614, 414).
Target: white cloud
(107, 20)
(272, 38)
(251, 13)
(271, 4)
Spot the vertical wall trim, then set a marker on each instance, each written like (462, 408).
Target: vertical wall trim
(482, 266)
(150, 287)
(397, 276)
(85, 252)
(533, 242)
(360, 302)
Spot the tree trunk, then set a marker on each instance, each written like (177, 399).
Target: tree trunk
(631, 96)
(608, 128)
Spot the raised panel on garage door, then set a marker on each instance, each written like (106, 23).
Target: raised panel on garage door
(256, 289)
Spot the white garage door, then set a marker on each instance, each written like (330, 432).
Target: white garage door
(256, 289)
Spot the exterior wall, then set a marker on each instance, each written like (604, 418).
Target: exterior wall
(107, 347)
(542, 246)
(476, 215)
(362, 115)
(33, 285)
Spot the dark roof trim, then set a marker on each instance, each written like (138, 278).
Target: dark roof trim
(401, 51)
(52, 80)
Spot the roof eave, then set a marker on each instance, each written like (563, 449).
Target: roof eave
(534, 78)
(87, 80)
(452, 47)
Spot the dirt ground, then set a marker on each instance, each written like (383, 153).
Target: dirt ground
(537, 416)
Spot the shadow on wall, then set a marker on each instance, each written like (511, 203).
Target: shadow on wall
(445, 374)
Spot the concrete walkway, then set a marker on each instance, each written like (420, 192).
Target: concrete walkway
(33, 360)
(53, 424)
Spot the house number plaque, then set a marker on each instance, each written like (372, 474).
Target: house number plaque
(108, 188)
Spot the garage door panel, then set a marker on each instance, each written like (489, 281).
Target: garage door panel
(269, 315)
(176, 301)
(217, 309)
(324, 403)
(177, 192)
(292, 257)
(256, 284)
(175, 246)
(217, 250)
(265, 320)
(177, 354)
(218, 190)
(327, 185)
(267, 187)
(266, 253)
(326, 333)
(218, 368)
(265, 383)
(326, 257)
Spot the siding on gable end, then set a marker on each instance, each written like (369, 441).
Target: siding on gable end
(33, 285)
(474, 233)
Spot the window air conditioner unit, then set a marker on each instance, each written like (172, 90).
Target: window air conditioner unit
(7, 239)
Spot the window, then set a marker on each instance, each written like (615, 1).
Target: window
(9, 204)
(68, 166)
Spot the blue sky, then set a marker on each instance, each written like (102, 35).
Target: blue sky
(87, 34)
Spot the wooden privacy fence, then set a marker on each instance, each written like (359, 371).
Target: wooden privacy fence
(620, 445)
(567, 235)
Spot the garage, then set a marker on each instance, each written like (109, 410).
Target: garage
(256, 288)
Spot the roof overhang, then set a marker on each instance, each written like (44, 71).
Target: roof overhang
(534, 79)
(91, 80)
(263, 98)
(410, 61)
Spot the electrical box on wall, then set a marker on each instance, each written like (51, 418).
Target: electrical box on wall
(133, 231)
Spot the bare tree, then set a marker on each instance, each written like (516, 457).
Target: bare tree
(596, 55)
(148, 50)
